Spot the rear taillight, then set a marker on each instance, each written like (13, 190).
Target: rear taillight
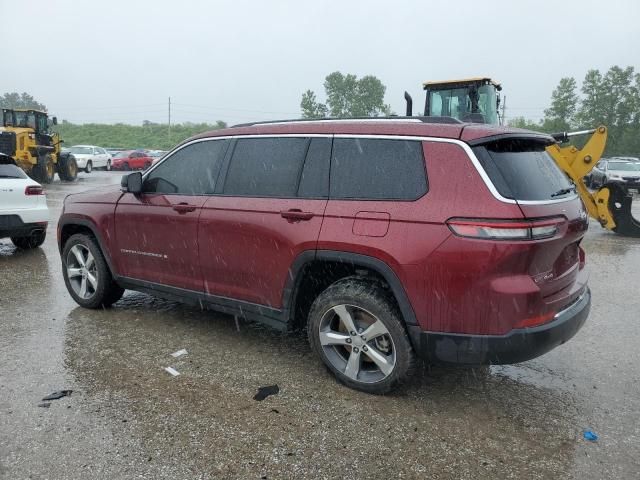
(488, 229)
(34, 190)
(535, 321)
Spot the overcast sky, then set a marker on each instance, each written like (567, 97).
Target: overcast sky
(119, 61)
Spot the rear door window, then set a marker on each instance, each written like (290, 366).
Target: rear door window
(266, 167)
(377, 169)
(192, 170)
(523, 170)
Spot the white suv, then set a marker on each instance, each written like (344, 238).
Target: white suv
(89, 157)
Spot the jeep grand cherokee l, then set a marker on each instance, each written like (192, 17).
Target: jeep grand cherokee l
(388, 240)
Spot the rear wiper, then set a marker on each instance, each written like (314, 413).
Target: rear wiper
(563, 191)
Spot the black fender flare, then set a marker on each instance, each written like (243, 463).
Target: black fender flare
(96, 233)
(355, 259)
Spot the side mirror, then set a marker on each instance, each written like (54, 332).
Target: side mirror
(132, 183)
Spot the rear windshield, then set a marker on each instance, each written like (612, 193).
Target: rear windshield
(11, 171)
(523, 170)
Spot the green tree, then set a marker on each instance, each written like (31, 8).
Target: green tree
(23, 100)
(347, 96)
(310, 107)
(522, 122)
(564, 103)
(592, 106)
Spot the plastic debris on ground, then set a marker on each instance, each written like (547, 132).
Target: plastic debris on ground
(172, 371)
(590, 435)
(179, 353)
(264, 392)
(57, 395)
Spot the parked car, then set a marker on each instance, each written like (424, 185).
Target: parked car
(24, 214)
(614, 170)
(156, 155)
(387, 240)
(89, 157)
(132, 160)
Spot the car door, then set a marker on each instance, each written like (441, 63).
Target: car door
(102, 154)
(268, 210)
(157, 231)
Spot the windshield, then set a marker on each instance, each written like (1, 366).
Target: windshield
(25, 120)
(81, 150)
(523, 170)
(458, 103)
(624, 166)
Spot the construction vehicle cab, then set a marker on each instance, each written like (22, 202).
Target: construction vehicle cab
(27, 141)
(473, 100)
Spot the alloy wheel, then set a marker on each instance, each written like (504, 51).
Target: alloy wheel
(357, 343)
(82, 271)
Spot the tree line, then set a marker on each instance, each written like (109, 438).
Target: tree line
(611, 99)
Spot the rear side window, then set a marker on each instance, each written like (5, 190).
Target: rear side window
(377, 169)
(192, 170)
(266, 167)
(523, 170)
(11, 171)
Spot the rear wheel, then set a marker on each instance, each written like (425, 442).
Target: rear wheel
(34, 240)
(126, 166)
(87, 275)
(68, 168)
(357, 331)
(88, 167)
(108, 165)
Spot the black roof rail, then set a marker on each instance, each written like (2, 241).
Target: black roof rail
(441, 120)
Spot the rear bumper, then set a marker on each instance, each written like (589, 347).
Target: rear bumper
(517, 346)
(13, 226)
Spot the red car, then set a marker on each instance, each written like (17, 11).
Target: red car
(131, 160)
(387, 239)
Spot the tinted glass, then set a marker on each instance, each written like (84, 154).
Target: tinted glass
(523, 170)
(377, 169)
(11, 171)
(192, 170)
(314, 182)
(266, 167)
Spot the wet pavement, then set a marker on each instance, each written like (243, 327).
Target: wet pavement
(128, 418)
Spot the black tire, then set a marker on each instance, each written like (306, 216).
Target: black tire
(44, 171)
(67, 168)
(32, 241)
(88, 167)
(107, 292)
(125, 166)
(108, 167)
(362, 295)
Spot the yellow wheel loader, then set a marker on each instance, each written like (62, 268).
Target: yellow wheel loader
(27, 141)
(477, 100)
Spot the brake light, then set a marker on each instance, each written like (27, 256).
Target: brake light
(34, 190)
(488, 229)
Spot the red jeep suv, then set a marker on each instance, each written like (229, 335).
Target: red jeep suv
(388, 239)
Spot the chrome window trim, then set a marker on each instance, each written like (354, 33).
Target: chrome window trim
(465, 146)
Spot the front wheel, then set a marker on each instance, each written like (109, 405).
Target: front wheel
(108, 165)
(88, 167)
(357, 331)
(86, 273)
(67, 168)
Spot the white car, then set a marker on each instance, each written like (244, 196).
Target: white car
(24, 214)
(89, 157)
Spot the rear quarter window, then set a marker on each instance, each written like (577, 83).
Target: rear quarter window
(523, 170)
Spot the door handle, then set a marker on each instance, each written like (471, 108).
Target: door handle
(184, 208)
(296, 215)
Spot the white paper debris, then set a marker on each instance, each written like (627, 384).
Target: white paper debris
(179, 353)
(172, 371)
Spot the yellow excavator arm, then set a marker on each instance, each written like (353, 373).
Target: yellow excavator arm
(611, 203)
(577, 163)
